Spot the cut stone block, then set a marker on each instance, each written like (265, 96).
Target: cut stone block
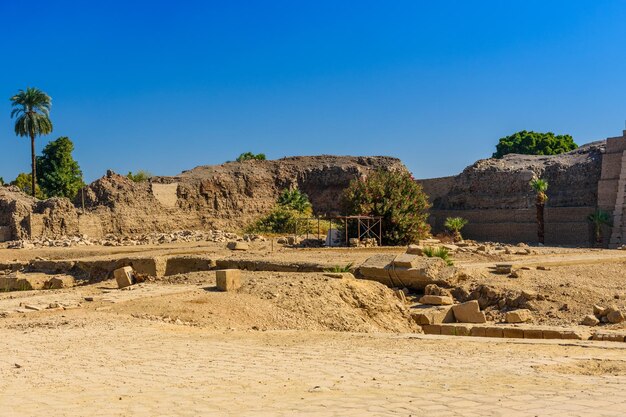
(456, 329)
(124, 276)
(432, 315)
(228, 279)
(431, 329)
(469, 312)
(513, 332)
(533, 334)
(503, 268)
(238, 246)
(405, 260)
(415, 250)
(477, 331)
(436, 300)
(518, 316)
(493, 332)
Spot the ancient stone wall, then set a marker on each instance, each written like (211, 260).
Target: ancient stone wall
(495, 196)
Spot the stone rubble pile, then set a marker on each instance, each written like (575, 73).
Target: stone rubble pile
(145, 239)
(611, 314)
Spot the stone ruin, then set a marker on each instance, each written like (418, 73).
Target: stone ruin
(206, 198)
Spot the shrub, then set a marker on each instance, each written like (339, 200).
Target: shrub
(23, 182)
(439, 252)
(397, 198)
(249, 156)
(296, 200)
(139, 176)
(534, 143)
(454, 225)
(339, 268)
(59, 173)
(599, 218)
(290, 206)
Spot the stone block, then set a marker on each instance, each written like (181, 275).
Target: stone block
(552, 334)
(436, 300)
(533, 334)
(503, 268)
(228, 279)
(415, 250)
(432, 315)
(494, 332)
(518, 316)
(405, 260)
(615, 317)
(431, 329)
(238, 246)
(478, 331)
(124, 276)
(590, 320)
(513, 332)
(469, 312)
(456, 329)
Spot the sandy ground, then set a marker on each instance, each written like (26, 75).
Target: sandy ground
(102, 364)
(301, 343)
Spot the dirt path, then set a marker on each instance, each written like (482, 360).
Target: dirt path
(122, 367)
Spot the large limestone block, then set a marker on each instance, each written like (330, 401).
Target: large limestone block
(423, 314)
(426, 271)
(228, 279)
(405, 260)
(124, 276)
(238, 246)
(469, 312)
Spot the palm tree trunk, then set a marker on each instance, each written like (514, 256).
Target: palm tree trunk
(34, 166)
(540, 223)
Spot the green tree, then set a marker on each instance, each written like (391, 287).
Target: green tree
(534, 143)
(31, 108)
(599, 218)
(59, 173)
(296, 200)
(139, 176)
(1, 181)
(24, 181)
(396, 197)
(249, 156)
(454, 225)
(540, 187)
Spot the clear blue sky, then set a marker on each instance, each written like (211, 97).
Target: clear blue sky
(166, 86)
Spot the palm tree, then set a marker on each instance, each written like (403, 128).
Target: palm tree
(540, 187)
(31, 108)
(454, 225)
(599, 218)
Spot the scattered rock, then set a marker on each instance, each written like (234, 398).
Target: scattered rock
(238, 246)
(469, 312)
(518, 316)
(615, 317)
(124, 276)
(436, 300)
(590, 320)
(434, 289)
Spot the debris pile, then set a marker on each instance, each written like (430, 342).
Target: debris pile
(145, 239)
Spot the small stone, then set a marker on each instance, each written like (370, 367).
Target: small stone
(32, 307)
(434, 289)
(518, 316)
(590, 320)
(599, 310)
(88, 298)
(238, 246)
(543, 268)
(436, 300)
(615, 317)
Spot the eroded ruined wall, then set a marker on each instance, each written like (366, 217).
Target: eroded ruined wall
(495, 196)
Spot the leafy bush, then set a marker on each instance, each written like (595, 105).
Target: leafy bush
(534, 143)
(439, 252)
(397, 198)
(339, 268)
(290, 206)
(296, 200)
(1, 181)
(24, 182)
(454, 225)
(139, 176)
(59, 173)
(249, 156)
